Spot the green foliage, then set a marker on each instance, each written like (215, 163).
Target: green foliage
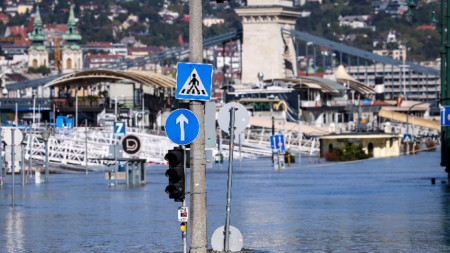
(350, 152)
(40, 70)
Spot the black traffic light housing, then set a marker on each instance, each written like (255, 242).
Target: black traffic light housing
(175, 173)
(219, 1)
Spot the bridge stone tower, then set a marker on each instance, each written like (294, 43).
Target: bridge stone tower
(37, 52)
(72, 55)
(265, 49)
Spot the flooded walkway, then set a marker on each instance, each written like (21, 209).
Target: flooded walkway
(383, 205)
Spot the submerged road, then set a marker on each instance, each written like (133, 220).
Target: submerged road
(382, 205)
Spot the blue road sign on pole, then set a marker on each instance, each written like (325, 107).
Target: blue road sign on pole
(445, 116)
(194, 81)
(277, 143)
(182, 126)
(119, 128)
(407, 138)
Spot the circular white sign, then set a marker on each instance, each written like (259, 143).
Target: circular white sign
(240, 118)
(18, 136)
(235, 240)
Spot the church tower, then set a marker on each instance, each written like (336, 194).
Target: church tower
(72, 55)
(37, 52)
(265, 49)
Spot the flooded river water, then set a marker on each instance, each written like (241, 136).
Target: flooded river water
(382, 205)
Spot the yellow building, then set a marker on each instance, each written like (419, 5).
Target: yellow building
(374, 144)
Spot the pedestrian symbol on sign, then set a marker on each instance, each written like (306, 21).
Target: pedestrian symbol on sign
(193, 85)
(194, 81)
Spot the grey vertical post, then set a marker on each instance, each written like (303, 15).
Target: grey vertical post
(340, 58)
(279, 160)
(230, 174)
(306, 55)
(127, 173)
(331, 62)
(184, 233)
(198, 229)
(240, 150)
(366, 71)
(314, 49)
(12, 166)
(34, 106)
(116, 165)
(323, 62)
(30, 165)
(115, 108)
(357, 67)
(409, 83)
(296, 56)
(374, 69)
(76, 106)
(86, 147)
(300, 137)
(231, 61)
(46, 161)
(214, 70)
(392, 81)
(22, 165)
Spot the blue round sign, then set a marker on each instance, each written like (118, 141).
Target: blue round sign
(182, 126)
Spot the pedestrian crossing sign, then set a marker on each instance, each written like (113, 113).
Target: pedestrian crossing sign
(194, 81)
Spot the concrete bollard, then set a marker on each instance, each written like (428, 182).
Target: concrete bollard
(318, 158)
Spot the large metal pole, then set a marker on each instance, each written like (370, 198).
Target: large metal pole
(198, 232)
(444, 83)
(230, 174)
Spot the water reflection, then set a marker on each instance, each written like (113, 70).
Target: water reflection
(445, 200)
(14, 235)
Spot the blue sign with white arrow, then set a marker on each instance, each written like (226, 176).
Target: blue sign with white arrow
(182, 126)
(277, 143)
(194, 81)
(119, 128)
(445, 116)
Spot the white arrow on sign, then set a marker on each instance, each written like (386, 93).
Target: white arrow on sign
(182, 120)
(443, 116)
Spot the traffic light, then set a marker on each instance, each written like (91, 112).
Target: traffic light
(219, 1)
(175, 173)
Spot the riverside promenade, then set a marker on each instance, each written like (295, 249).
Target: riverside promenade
(381, 205)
